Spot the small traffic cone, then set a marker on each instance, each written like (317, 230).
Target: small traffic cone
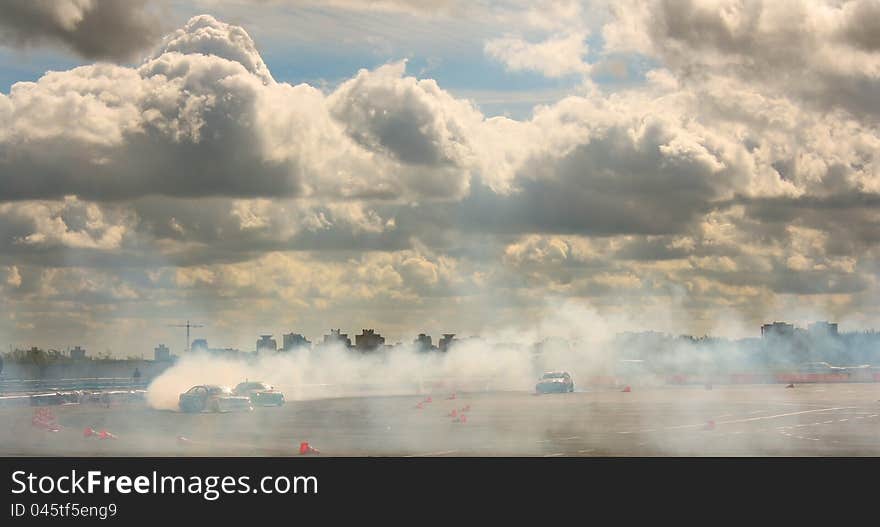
(89, 432)
(462, 418)
(305, 448)
(710, 425)
(428, 400)
(466, 408)
(419, 406)
(451, 397)
(453, 413)
(626, 389)
(103, 434)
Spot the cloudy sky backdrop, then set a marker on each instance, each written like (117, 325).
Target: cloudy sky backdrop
(695, 166)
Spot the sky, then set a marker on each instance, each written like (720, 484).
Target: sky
(262, 167)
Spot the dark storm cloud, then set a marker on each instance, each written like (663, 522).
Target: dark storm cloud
(612, 185)
(95, 29)
(851, 219)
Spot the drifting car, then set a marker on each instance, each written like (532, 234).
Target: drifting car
(555, 382)
(260, 393)
(212, 398)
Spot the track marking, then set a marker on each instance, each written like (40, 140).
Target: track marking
(555, 455)
(572, 438)
(429, 454)
(586, 450)
(842, 420)
(746, 420)
(784, 415)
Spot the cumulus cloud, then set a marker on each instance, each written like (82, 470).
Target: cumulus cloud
(822, 52)
(554, 57)
(203, 117)
(94, 29)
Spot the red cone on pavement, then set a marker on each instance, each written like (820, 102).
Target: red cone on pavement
(103, 434)
(305, 448)
(453, 413)
(462, 418)
(710, 425)
(89, 432)
(451, 396)
(428, 400)
(419, 406)
(627, 389)
(466, 408)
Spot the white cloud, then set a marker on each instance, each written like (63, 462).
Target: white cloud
(554, 57)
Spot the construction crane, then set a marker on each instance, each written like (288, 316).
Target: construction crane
(187, 326)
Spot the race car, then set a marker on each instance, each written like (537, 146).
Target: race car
(260, 393)
(208, 397)
(555, 382)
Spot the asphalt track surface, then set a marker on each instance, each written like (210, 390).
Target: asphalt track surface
(759, 420)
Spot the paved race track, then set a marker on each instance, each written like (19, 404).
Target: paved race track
(763, 420)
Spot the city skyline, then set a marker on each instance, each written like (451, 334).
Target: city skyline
(426, 341)
(694, 167)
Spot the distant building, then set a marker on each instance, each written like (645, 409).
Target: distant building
(199, 345)
(292, 341)
(823, 329)
(423, 342)
(161, 353)
(446, 342)
(266, 343)
(368, 340)
(777, 330)
(77, 353)
(336, 336)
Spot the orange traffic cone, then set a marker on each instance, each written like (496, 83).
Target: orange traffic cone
(710, 425)
(462, 418)
(453, 413)
(428, 400)
(466, 408)
(419, 406)
(89, 432)
(305, 448)
(626, 389)
(451, 396)
(103, 434)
